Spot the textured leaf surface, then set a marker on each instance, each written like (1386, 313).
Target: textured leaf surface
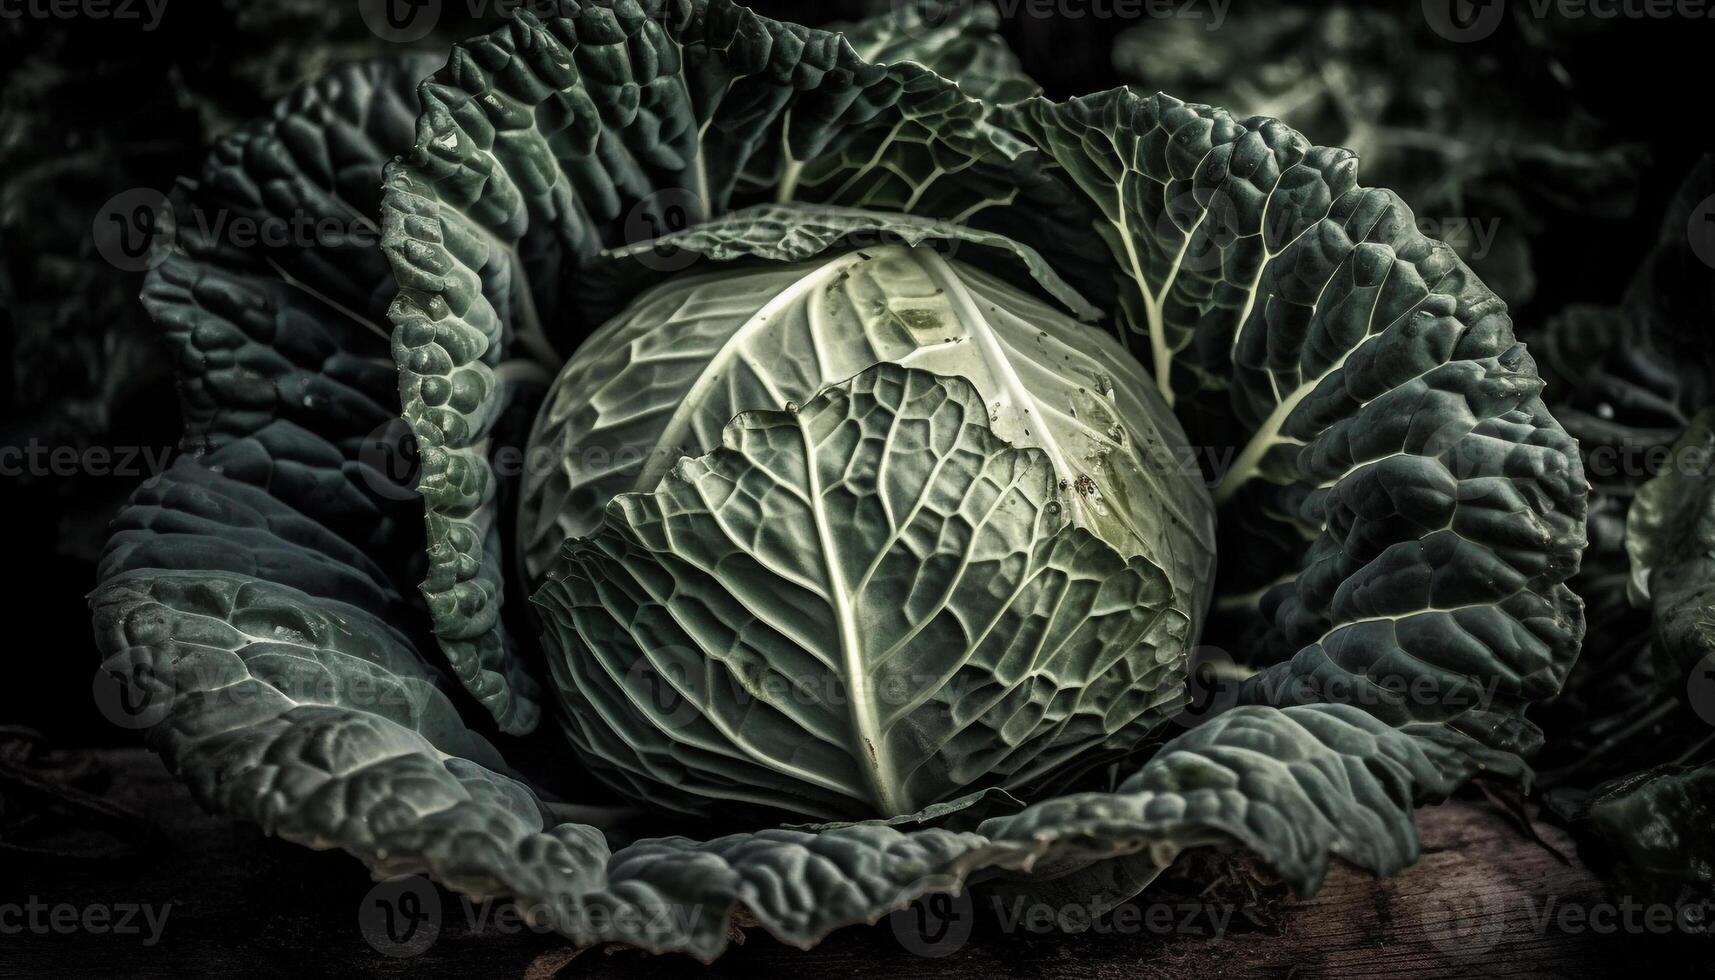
(270, 567)
(857, 607)
(280, 352)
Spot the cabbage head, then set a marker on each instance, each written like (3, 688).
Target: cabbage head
(851, 535)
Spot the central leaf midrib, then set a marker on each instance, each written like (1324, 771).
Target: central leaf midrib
(869, 748)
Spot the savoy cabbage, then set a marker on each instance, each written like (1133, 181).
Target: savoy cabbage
(855, 403)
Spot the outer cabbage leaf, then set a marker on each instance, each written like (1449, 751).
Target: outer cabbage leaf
(1294, 785)
(859, 606)
(279, 348)
(238, 315)
(267, 571)
(1386, 412)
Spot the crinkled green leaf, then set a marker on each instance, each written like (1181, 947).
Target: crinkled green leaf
(294, 328)
(280, 349)
(263, 579)
(1292, 785)
(1182, 193)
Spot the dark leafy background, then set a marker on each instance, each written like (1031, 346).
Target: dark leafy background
(1549, 129)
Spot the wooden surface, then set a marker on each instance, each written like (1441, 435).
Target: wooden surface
(244, 905)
